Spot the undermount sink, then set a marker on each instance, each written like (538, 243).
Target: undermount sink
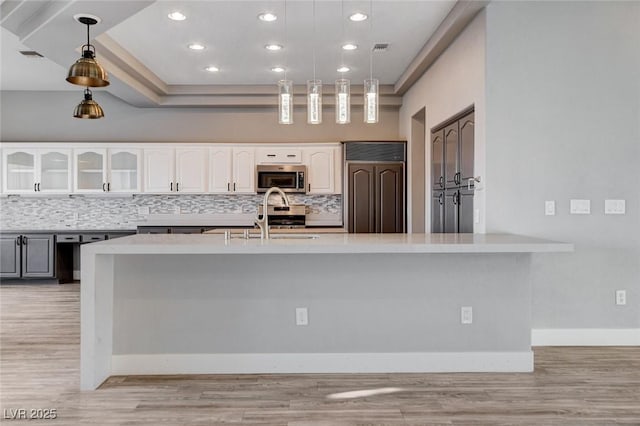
(294, 236)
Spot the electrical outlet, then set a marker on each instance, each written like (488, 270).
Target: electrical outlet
(466, 315)
(302, 316)
(550, 208)
(614, 207)
(580, 207)
(621, 297)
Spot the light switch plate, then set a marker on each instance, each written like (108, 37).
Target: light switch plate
(614, 207)
(621, 297)
(580, 207)
(302, 316)
(466, 315)
(550, 208)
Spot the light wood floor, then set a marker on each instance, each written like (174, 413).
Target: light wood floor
(39, 337)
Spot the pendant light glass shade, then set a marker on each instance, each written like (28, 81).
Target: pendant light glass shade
(285, 102)
(314, 101)
(88, 108)
(343, 101)
(371, 98)
(86, 71)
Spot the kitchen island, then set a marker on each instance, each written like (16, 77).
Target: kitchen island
(191, 304)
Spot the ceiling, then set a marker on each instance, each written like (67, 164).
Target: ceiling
(149, 63)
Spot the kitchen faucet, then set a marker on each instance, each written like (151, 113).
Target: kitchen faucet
(263, 223)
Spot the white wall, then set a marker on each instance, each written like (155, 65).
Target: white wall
(454, 82)
(563, 122)
(47, 117)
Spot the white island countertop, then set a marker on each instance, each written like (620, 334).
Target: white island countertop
(328, 244)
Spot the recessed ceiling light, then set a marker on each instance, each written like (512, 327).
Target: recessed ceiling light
(196, 46)
(344, 69)
(273, 47)
(277, 69)
(267, 17)
(358, 16)
(211, 68)
(176, 16)
(349, 46)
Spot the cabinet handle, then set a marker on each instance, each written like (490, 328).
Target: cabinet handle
(234, 187)
(171, 186)
(440, 199)
(103, 187)
(24, 240)
(177, 186)
(18, 240)
(228, 187)
(291, 155)
(271, 155)
(35, 185)
(309, 190)
(441, 181)
(38, 186)
(108, 186)
(456, 178)
(454, 197)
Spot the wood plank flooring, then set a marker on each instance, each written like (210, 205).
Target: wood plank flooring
(39, 368)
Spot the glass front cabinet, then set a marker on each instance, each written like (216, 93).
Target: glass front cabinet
(107, 170)
(32, 171)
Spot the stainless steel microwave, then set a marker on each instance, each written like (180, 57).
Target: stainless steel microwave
(288, 178)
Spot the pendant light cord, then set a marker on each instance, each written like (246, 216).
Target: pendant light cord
(371, 39)
(286, 62)
(343, 38)
(314, 40)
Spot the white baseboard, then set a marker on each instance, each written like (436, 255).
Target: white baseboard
(585, 337)
(396, 362)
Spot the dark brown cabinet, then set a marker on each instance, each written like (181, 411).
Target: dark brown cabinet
(376, 197)
(27, 256)
(452, 175)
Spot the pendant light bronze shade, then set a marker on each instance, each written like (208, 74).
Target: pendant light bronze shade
(86, 71)
(88, 108)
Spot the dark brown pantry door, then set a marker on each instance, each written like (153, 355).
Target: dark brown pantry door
(390, 198)
(437, 160)
(466, 148)
(451, 155)
(361, 198)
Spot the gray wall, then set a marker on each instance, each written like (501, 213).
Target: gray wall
(47, 116)
(563, 122)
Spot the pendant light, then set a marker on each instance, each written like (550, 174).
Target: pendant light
(86, 71)
(371, 92)
(343, 85)
(285, 87)
(314, 87)
(88, 108)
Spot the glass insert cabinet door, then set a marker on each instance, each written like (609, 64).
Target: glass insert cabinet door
(20, 171)
(90, 170)
(55, 171)
(124, 170)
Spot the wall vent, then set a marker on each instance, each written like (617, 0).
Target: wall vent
(380, 47)
(31, 54)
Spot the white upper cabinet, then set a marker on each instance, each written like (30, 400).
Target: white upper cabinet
(159, 170)
(244, 170)
(191, 169)
(278, 155)
(175, 170)
(220, 167)
(322, 170)
(107, 170)
(30, 171)
(125, 170)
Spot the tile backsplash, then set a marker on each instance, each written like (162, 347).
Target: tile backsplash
(90, 212)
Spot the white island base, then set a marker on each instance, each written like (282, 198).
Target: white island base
(196, 304)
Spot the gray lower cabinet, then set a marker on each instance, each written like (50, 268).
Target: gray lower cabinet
(28, 256)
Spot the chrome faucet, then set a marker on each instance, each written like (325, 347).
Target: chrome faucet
(263, 223)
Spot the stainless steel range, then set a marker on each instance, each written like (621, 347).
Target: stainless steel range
(292, 216)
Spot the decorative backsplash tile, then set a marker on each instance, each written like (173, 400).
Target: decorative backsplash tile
(85, 212)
